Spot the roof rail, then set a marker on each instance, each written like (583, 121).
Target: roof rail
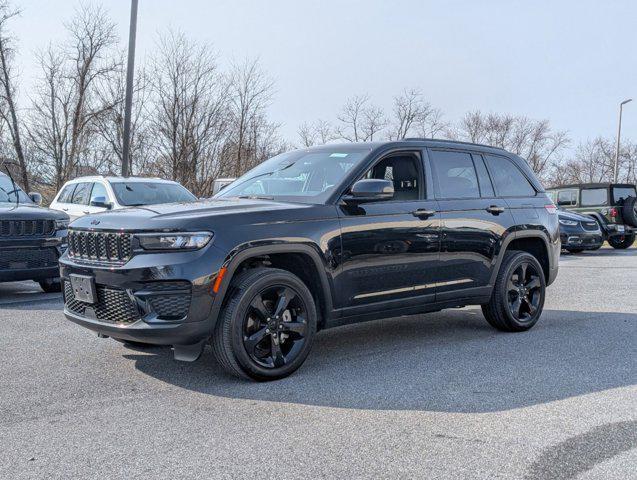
(442, 140)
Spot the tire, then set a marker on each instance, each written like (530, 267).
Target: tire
(51, 285)
(621, 242)
(498, 312)
(575, 250)
(263, 301)
(629, 211)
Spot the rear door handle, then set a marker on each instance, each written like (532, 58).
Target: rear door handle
(423, 213)
(495, 210)
(65, 209)
(86, 212)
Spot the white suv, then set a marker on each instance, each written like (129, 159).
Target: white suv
(86, 195)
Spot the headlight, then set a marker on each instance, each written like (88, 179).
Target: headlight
(570, 223)
(61, 224)
(174, 241)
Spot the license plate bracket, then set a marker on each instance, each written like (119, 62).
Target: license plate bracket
(83, 288)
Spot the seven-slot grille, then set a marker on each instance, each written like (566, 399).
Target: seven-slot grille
(26, 228)
(590, 226)
(110, 247)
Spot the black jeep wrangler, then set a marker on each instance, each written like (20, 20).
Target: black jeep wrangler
(612, 205)
(32, 238)
(316, 238)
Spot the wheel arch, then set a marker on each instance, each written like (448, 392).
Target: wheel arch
(534, 242)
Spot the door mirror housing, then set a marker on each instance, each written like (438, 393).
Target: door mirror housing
(370, 190)
(101, 202)
(35, 198)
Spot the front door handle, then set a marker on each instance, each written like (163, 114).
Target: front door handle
(495, 210)
(423, 213)
(86, 212)
(65, 209)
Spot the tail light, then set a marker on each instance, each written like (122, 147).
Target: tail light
(551, 208)
(613, 212)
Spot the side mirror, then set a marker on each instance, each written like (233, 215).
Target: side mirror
(35, 198)
(101, 202)
(370, 190)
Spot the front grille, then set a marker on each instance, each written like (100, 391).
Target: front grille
(27, 258)
(112, 305)
(100, 246)
(26, 228)
(590, 226)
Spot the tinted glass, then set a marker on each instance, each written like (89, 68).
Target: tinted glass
(508, 179)
(454, 175)
(486, 187)
(302, 175)
(131, 194)
(67, 194)
(404, 171)
(10, 193)
(622, 193)
(567, 198)
(99, 192)
(81, 194)
(594, 196)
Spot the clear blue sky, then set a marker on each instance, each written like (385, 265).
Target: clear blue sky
(568, 61)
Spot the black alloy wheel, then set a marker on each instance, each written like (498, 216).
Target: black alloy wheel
(621, 242)
(517, 299)
(524, 291)
(275, 326)
(266, 328)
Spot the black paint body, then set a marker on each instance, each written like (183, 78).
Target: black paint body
(367, 261)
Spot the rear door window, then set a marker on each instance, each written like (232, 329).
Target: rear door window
(454, 174)
(486, 187)
(567, 198)
(509, 181)
(82, 193)
(594, 196)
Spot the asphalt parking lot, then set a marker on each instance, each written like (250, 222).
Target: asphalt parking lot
(435, 396)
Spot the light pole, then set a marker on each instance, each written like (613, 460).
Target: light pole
(128, 102)
(619, 134)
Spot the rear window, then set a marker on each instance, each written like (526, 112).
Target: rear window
(507, 178)
(594, 196)
(622, 193)
(132, 194)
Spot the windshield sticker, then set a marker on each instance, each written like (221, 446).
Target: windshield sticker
(338, 155)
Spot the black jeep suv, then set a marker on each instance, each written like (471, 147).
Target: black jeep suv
(32, 238)
(316, 238)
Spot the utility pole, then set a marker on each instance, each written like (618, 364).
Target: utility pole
(619, 134)
(132, 33)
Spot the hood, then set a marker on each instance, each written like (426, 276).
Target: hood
(29, 212)
(204, 214)
(574, 216)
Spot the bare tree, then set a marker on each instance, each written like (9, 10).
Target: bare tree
(360, 121)
(531, 139)
(413, 116)
(191, 117)
(8, 93)
(251, 92)
(319, 132)
(66, 104)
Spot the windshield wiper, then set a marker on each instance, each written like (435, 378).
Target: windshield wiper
(15, 188)
(255, 197)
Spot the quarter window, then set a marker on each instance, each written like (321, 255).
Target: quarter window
(508, 179)
(594, 197)
(621, 194)
(454, 175)
(567, 198)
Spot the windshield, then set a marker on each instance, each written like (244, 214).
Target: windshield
(8, 194)
(622, 193)
(303, 175)
(131, 194)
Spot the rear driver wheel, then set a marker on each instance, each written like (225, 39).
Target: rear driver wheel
(621, 242)
(518, 295)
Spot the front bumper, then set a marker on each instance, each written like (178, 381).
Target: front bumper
(138, 301)
(581, 240)
(31, 258)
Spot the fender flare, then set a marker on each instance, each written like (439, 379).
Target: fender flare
(516, 236)
(238, 255)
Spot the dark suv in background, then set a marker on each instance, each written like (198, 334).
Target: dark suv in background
(317, 238)
(32, 238)
(612, 205)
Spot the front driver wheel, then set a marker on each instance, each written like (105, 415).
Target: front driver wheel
(621, 242)
(518, 295)
(266, 328)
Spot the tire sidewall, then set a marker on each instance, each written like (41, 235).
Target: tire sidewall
(236, 328)
(514, 263)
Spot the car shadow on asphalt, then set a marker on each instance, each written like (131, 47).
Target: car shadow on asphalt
(451, 361)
